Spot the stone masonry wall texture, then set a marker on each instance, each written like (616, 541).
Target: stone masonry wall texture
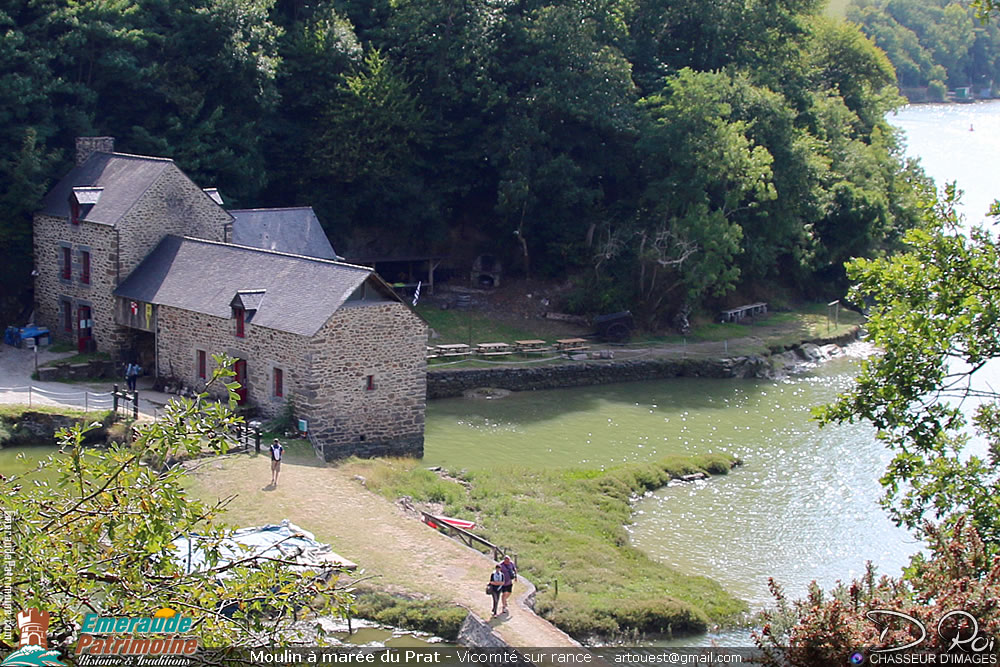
(50, 235)
(387, 342)
(327, 376)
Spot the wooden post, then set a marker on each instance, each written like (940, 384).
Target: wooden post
(114, 399)
(135, 405)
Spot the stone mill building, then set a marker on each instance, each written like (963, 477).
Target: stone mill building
(134, 259)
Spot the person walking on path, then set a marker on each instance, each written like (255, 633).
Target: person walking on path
(495, 584)
(509, 577)
(276, 453)
(132, 371)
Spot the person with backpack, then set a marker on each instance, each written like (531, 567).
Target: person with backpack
(494, 586)
(509, 571)
(132, 371)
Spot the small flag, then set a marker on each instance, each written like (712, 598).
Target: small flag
(416, 294)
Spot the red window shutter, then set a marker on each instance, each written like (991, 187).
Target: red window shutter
(279, 382)
(240, 321)
(67, 263)
(85, 267)
(202, 365)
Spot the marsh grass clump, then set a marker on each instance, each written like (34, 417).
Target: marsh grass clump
(568, 530)
(434, 616)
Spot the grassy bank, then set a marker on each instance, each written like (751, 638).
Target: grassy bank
(435, 616)
(568, 526)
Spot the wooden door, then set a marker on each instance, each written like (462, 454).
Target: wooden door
(241, 376)
(85, 329)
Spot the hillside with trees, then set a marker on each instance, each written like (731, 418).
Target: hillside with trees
(935, 45)
(666, 155)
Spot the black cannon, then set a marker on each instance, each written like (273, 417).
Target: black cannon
(614, 327)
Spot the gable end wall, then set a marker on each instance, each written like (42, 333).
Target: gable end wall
(326, 375)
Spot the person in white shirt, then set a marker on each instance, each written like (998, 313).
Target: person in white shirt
(276, 452)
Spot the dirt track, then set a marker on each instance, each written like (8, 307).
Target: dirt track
(402, 553)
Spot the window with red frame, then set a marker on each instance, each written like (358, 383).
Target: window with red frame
(202, 365)
(240, 316)
(74, 211)
(279, 382)
(85, 267)
(67, 263)
(370, 383)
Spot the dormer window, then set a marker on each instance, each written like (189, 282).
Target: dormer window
(245, 305)
(81, 200)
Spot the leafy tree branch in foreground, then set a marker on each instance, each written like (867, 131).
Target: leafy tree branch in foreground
(92, 532)
(935, 311)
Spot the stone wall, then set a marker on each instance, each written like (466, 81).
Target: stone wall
(367, 395)
(327, 376)
(173, 205)
(454, 382)
(450, 383)
(182, 333)
(51, 234)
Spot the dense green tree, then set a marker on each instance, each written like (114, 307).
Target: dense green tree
(367, 158)
(511, 128)
(932, 41)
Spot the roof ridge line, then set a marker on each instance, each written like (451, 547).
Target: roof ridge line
(276, 252)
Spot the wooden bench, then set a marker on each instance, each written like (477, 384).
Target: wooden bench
(493, 349)
(453, 350)
(738, 314)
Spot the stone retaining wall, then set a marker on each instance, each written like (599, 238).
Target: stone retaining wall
(32, 428)
(453, 383)
(89, 370)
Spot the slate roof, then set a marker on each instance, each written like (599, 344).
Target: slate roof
(292, 230)
(204, 276)
(124, 178)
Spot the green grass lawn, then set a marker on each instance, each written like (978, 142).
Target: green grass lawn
(471, 326)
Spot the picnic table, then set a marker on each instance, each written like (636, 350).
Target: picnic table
(453, 350)
(571, 344)
(493, 349)
(533, 345)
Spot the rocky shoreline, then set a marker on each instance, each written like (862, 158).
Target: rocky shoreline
(456, 382)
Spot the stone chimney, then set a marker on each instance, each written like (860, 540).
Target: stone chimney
(87, 146)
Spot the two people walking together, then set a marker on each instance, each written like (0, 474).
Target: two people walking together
(501, 584)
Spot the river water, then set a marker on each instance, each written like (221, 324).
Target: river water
(804, 506)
